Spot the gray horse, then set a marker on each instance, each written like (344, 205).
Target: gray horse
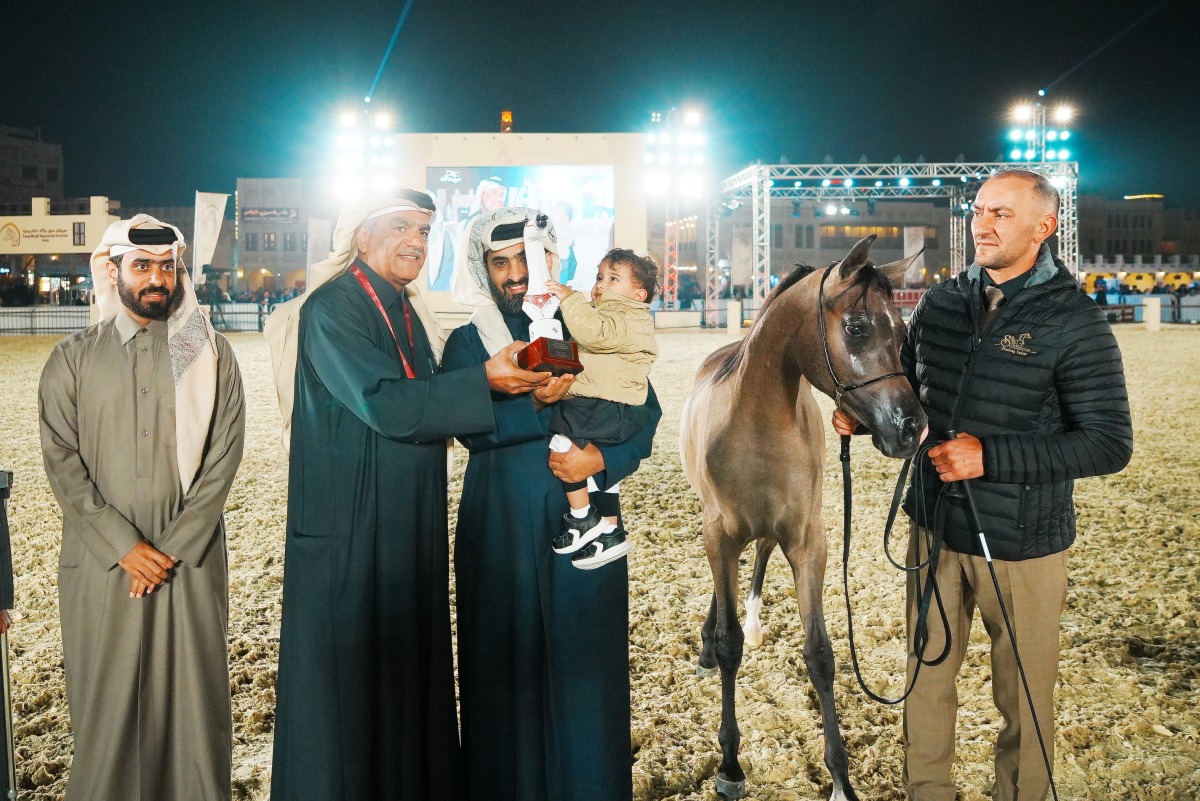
(752, 441)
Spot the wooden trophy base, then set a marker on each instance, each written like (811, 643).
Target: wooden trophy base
(545, 355)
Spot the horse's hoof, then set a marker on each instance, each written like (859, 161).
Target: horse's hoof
(704, 672)
(754, 637)
(730, 791)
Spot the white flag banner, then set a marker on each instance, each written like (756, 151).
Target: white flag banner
(914, 240)
(210, 212)
(320, 244)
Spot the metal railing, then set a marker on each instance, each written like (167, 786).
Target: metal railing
(27, 320)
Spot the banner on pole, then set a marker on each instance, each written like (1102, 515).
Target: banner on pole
(914, 240)
(210, 212)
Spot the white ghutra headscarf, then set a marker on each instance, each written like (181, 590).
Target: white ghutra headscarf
(473, 285)
(282, 328)
(190, 337)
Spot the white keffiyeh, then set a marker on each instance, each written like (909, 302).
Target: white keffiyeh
(190, 339)
(282, 328)
(473, 285)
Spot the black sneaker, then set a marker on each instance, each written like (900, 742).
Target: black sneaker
(606, 548)
(578, 532)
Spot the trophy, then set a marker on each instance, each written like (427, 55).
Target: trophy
(548, 351)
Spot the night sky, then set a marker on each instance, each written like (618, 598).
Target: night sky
(154, 101)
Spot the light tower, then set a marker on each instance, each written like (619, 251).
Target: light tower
(676, 162)
(362, 151)
(1041, 133)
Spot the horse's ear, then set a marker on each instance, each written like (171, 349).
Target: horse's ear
(856, 258)
(895, 270)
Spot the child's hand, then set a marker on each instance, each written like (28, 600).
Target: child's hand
(559, 291)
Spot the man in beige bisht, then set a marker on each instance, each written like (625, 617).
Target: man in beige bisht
(142, 422)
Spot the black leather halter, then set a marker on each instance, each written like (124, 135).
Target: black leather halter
(842, 389)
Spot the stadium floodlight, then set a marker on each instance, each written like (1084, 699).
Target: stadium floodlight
(1023, 112)
(879, 183)
(675, 147)
(848, 182)
(831, 209)
(936, 182)
(826, 182)
(1064, 154)
(1037, 134)
(690, 184)
(905, 181)
(657, 183)
(362, 152)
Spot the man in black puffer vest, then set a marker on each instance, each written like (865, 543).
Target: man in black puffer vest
(1012, 356)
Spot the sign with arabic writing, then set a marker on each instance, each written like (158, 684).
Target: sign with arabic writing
(277, 215)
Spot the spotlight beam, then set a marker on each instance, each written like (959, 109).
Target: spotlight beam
(388, 52)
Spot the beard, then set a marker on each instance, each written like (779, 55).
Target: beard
(157, 307)
(508, 304)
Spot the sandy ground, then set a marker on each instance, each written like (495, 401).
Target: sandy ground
(1128, 723)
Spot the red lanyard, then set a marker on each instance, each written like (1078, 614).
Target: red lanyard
(370, 290)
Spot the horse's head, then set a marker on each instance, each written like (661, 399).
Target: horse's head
(861, 345)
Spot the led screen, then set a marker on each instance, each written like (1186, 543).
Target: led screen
(578, 198)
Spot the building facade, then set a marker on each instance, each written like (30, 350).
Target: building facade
(817, 234)
(271, 235)
(29, 168)
(44, 255)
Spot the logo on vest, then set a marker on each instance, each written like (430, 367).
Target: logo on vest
(1016, 344)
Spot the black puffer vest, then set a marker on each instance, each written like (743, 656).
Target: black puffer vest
(1043, 388)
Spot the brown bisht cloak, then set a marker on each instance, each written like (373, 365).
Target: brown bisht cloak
(147, 678)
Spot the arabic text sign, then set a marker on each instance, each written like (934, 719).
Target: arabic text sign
(277, 215)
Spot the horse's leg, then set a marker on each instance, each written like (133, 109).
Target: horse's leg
(808, 569)
(753, 626)
(708, 657)
(727, 638)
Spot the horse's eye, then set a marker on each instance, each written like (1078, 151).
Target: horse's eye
(855, 329)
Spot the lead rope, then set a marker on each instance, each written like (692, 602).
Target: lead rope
(928, 590)
(1012, 635)
(920, 634)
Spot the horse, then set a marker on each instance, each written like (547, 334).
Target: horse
(752, 443)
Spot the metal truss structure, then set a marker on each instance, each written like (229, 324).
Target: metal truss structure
(712, 273)
(670, 283)
(756, 185)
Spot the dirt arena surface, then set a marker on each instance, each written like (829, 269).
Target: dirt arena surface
(1128, 717)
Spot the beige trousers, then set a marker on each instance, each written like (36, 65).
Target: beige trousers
(1035, 593)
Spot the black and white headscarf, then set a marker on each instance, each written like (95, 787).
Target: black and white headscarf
(493, 230)
(190, 337)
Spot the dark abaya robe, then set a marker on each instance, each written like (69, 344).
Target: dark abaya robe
(365, 696)
(543, 647)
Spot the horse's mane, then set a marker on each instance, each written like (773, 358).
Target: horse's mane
(731, 361)
(866, 278)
